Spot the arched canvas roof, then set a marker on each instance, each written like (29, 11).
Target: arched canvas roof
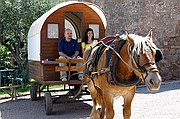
(37, 25)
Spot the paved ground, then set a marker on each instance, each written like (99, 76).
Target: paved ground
(165, 104)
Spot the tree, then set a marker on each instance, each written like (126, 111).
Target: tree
(16, 19)
(4, 57)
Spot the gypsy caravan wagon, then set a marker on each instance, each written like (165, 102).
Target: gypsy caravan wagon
(43, 38)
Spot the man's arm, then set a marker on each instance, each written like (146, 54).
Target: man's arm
(62, 54)
(76, 49)
(76, 54)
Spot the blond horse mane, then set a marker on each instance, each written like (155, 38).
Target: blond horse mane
(140, 43)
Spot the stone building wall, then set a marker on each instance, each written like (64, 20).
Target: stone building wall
(139, 16)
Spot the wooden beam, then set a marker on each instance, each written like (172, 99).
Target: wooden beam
(12, 91)
(69, 60)
(67, 68)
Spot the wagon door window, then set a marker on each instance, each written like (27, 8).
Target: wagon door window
(69, 25)
(73, 20)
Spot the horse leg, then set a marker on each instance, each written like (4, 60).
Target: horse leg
(102, 111)
(108, 102)
(97, 113)
(127, 103)
(94, 112)
(94, 95)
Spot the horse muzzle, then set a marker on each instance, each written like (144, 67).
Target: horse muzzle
(153, 81)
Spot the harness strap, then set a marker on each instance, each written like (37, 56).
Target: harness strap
(100, 72)
(89, 53)
(118, 44)
(111, 76)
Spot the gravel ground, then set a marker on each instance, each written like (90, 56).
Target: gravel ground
(165, 104)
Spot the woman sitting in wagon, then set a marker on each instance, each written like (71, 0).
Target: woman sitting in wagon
(88, 40)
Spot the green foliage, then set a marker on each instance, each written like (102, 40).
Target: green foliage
(4, 56)
(16, 17)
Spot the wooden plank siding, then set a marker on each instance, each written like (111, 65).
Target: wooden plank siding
(49, 73)
(35, 70)
(42, 72)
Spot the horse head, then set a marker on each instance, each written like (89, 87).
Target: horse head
(142, 52)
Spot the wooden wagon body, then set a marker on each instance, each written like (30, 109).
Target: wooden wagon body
(45, 32)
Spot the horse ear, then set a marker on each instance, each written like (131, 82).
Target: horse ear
(117, 36)
(130, 40)
(126, 33)
(150, 34)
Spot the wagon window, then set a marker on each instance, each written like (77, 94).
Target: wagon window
(53, 30)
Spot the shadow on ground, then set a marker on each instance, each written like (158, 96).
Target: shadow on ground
(165, 86)
(162, 104)
(27, 109)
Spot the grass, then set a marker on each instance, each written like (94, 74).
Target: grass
(27, 88)
(18, 90)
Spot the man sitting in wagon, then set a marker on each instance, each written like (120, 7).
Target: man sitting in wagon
(68, 48)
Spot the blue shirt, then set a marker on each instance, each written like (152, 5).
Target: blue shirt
(68, 48)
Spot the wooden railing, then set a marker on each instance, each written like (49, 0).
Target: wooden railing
(69, 67)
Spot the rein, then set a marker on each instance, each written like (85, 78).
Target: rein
(112, 79)
(142, 69)
(110, 71)
(118, 55)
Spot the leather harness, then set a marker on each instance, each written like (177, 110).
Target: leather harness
(111, 61)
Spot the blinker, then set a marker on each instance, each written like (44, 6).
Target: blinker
(158, 56)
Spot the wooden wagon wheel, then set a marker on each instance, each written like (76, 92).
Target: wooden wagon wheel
(48, 103)
(33, 91)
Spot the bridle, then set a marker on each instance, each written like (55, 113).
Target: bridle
(143, 69)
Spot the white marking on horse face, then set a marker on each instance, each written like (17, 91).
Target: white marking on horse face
(153, 81)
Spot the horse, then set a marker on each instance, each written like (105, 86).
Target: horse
(114, 70)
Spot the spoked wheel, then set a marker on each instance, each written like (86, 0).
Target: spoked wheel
(48, 103)
(33, 91)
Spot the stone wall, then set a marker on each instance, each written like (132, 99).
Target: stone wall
(139, 16)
